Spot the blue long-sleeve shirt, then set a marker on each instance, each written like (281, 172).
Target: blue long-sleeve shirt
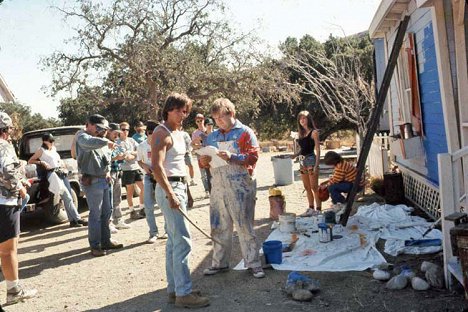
(91, 155)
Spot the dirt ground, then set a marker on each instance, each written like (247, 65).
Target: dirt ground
(56, 261)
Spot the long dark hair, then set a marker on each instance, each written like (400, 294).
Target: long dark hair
(310, 123)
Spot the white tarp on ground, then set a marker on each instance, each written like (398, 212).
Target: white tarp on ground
(392, 223)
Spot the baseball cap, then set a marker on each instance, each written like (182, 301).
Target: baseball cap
(199, 116)
(5, 120)
(99, 121)
(114, 127)
(48, 137)
(209, 121)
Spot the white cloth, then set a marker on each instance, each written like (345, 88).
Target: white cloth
(56, 184)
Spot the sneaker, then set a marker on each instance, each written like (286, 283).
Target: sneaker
(258, 272)
(308, 213)
(164, 236)
(213, 270)
(17, 294)
(135, 215)
(191, 301)
(98, 252)
(152, 239)
(74, 224)
(171, 297)
(82, 222)
(192, 183)
(112, 245)
(122, 226)
(113, 229)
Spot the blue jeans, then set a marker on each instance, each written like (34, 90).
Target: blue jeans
(206, 179)
(98, 196)
(67, 198)
(179, 242)
(150, 202)
(338, 188)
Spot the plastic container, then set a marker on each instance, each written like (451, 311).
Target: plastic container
(287, 222)
(273, 251)
(283, 169)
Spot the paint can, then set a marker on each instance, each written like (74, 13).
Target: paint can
(273, 251)
(325, 233)
(287, 222)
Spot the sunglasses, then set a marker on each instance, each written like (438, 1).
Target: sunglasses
(199, 120)
(125, 129)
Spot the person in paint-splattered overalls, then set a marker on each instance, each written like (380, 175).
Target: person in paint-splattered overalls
(232, 200)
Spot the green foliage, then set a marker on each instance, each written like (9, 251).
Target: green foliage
(132, 54)
(24, 120)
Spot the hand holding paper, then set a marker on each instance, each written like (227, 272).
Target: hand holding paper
(211, 151)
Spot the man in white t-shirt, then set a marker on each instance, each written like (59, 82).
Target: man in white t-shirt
(144, 160)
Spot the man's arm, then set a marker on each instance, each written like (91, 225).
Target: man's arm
(160, 143)
(89, 143)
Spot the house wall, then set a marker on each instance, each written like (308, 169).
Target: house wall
(434, 140)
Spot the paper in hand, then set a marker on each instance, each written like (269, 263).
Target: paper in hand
(212, 151)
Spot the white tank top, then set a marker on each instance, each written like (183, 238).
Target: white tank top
(174, 163)
(51, 157)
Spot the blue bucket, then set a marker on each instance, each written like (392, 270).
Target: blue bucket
(273, 251)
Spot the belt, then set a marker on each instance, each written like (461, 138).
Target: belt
(177, 179)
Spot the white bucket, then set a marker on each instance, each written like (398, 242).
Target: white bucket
(283, 169)
(287, 222)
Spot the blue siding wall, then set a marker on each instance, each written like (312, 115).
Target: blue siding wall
(435, 140)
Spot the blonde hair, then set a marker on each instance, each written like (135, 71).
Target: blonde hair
(124, 123)
(223, 106)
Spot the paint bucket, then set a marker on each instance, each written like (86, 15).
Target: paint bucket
(287, 222)
(330, 217)
(273, 251)
(325, 233)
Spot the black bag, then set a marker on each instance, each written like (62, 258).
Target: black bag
(62, 173)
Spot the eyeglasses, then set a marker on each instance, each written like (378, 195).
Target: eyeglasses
(197, 121)
(125, 129)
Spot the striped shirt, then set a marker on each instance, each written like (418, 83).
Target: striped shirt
(344, 171)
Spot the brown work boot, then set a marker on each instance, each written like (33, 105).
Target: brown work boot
(97, 252)
(171, 297)
(191, 301)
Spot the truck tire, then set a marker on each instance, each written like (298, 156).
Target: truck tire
(55, 209)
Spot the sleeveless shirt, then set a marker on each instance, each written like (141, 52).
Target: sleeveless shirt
(307, 144)
(174, 163)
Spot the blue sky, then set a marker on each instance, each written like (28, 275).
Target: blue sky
(30, 29)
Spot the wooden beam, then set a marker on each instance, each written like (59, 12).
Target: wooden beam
(445, 77)
(461, 11)
(374, 120)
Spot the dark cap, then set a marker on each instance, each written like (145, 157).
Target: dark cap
(140, 124)
(48, 137)
(99, 121)
(209, 121)
(114, 127)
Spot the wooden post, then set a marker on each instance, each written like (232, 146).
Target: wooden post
(448, 206)
(374, 120)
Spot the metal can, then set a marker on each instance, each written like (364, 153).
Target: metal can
(325, 234)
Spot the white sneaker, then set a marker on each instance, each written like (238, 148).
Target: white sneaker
(19, 294)
(113, 229)
(258, 272)
(122, 226)
(152, 239)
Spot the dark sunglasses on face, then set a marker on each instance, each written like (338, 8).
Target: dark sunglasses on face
(125, 129)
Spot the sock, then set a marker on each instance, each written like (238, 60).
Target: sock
(11, 284)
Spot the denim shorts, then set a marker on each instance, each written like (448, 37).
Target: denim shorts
(307, 163)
